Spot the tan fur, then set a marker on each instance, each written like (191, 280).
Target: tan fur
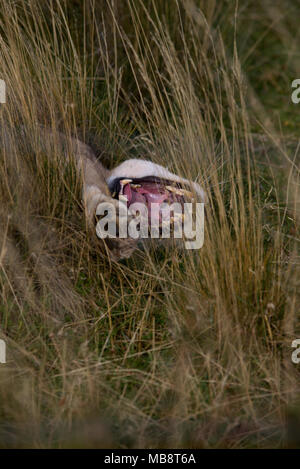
(96, 178)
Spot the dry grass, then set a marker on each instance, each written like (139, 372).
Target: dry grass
(170, 348)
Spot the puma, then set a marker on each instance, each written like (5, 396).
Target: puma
(140, 180)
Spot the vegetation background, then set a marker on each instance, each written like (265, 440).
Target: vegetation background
(169, 348)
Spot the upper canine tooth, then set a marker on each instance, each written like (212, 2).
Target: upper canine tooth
(171, 189)
(181, 192)
(125, 181)
(187, 193)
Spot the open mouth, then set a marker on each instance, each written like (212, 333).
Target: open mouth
(148, 191)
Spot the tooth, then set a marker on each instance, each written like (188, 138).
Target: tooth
(123, 197)
(187, 193)
(136, 186)
(125, 181)
(171, 188)
(181, 192)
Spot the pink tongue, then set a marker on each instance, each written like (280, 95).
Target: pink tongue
(147, 194)
(128, 192)
(156, 198)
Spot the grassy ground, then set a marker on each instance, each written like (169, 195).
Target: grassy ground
(170, 348)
